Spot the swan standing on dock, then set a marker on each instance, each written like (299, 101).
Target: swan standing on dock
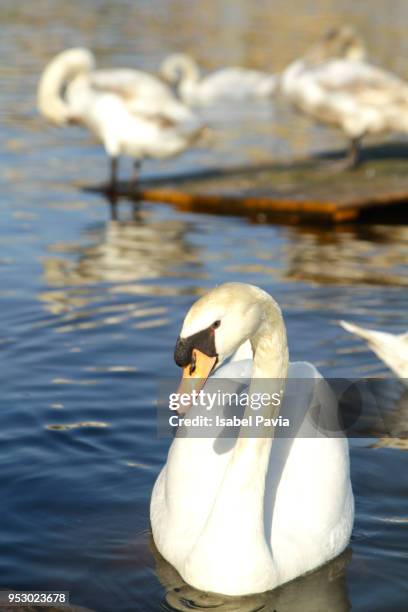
(392, 349)
(246, 515)
(228, 84)
(130, 112)
(333, 84)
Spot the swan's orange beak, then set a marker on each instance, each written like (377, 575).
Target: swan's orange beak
(196, 373)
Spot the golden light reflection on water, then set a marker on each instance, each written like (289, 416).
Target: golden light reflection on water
(68, 381)
(261, 34)
(69, 426)
(115, 368)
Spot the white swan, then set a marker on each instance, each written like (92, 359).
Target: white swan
(228, 84)
(130, 112)
(333, 84)
(392, 349)
(243, 516)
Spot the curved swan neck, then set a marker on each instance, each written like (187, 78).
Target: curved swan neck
(183, 68)
(189, 69)
(58, 73)
(270, 369)
(269, 345)
(342, 43)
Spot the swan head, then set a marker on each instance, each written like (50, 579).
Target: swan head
(178, 66)
(219, 323)
(342, 43)
(56, 76)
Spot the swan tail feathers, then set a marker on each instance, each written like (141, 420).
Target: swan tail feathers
(366, 334)
(373, 337)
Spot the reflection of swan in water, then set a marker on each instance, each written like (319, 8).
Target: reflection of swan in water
(324, 589)
(353, 255)
(374, 255)
(123, 253)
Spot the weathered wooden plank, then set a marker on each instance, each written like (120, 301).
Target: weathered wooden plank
(238, 205)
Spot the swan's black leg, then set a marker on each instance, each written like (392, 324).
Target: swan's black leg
(353, 157)
(113, 202)
(136, 173)
(136, 211)
(135, 185)
(113, 185)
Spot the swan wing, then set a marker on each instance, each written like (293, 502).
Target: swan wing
(143, 94)
(128, 84)
(308, 499)
(367, 83)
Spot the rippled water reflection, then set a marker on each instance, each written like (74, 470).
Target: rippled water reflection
(91, 309)
(325, 589)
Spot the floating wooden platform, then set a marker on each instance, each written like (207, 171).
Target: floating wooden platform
(304, 191)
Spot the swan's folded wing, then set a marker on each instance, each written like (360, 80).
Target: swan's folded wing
(143, 94)
(367, 83)
(310, 403)
(126, 83)
(243, 352)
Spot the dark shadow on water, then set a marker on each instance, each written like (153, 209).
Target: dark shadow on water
(396, 150)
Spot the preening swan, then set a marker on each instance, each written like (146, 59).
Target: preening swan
(130, 112)
(333, 84)
(228, 84)
(392, 349)
(239, 516)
